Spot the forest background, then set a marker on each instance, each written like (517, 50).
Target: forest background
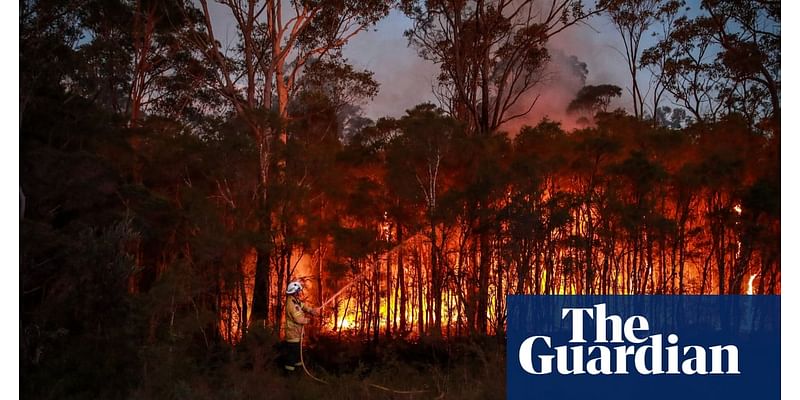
(174, 179)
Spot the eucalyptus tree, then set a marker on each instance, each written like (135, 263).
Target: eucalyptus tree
(492, 55)
(276, 40)
(420, 165)
(633, 20)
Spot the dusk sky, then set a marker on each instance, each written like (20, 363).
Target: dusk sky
(406, 79)
(216, 201)
(385, 51)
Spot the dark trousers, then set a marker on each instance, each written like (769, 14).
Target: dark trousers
(291, 356)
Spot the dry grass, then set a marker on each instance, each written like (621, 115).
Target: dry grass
(458, 369)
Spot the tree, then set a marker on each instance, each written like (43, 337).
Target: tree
(633, 19)
(420, 167)
(49, 28)
(593, 99)
(272, 55)
(665, 16)
(725, 59)
(163, 70)
(749, 35)
(687, 70)
(491, 55)
(345, 87)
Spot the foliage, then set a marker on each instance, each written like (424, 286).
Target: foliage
(592, 99)
(166, 211)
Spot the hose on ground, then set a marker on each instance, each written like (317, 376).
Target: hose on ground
(384, 388)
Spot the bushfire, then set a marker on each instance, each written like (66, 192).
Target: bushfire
(393, 291)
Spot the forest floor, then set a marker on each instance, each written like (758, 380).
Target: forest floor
(463, 368)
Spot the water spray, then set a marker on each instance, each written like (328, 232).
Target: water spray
(335, 295)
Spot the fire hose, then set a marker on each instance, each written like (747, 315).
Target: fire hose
(384, 388)
(303, 363)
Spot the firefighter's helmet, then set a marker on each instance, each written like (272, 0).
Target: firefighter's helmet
(294, 287)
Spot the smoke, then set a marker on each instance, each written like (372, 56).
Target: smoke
(407, 80)
(579, 56)
(565, 76)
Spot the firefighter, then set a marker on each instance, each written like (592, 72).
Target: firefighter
(296, 318)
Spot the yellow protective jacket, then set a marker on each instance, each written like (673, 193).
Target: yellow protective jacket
(295, 318)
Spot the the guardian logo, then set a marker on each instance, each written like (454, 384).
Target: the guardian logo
(628, 348)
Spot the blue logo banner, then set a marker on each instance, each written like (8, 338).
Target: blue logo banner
(643, 347)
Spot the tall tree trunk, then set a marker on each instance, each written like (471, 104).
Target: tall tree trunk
(376, 313)
(436, 284)
(420, 308)
(144, 26)
(260, 312)
(483, 282)
(281, 285)
(401, 281)
(388, 294)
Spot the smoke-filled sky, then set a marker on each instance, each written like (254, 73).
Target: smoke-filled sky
(406, 79)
